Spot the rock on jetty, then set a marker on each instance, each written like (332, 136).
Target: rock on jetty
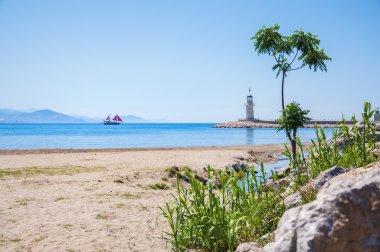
(272, 124)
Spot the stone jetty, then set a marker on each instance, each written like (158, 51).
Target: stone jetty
(273, 124)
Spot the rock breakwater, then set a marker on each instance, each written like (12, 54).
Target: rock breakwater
(272, 124)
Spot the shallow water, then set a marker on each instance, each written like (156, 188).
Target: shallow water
(281, 162)
(81, 136)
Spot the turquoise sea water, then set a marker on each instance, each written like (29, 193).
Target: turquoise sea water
(83, 136)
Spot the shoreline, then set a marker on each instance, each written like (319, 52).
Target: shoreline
(117, 150)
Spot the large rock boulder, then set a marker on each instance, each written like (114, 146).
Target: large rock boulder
(345, 217)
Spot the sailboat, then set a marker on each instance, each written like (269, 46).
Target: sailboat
(115, 121)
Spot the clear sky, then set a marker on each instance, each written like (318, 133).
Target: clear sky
(183, 61)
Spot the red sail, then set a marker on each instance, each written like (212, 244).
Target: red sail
(117, 118)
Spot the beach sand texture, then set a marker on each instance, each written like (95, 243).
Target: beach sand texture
(95, 200)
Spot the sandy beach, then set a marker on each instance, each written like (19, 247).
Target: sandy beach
(96, 200)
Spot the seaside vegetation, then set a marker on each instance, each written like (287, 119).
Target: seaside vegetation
(349, 147)
(207, 217)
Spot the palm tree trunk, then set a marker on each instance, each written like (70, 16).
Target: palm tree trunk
(282, 89)
(294, 144)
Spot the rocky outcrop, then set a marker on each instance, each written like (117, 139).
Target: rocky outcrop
(295, 199)
(249, 247)
(344, 217)
(325, 176)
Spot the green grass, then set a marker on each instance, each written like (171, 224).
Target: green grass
(50, 171)
(38, 239)
(60, 198)
(67, 226)
(10, 240)
(120, 205)
(23, 202)
(102, 216)
(127, 195)
(158, 186)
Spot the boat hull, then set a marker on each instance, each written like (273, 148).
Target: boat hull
(111, 123)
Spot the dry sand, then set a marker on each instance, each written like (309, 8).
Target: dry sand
(95, 200)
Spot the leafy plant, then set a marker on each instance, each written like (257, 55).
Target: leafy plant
(217, 219)
(292, 118)
(300, 47)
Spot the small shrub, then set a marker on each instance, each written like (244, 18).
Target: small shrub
(183, 173)
(39, 239)
(102, 216)
(120, 205)
(158, 186)
(67, 226)
(59, 198)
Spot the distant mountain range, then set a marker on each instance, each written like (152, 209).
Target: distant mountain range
(50, 116)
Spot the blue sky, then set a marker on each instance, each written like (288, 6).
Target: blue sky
(183, 61)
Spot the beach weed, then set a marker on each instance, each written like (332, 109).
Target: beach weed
(67, 226)
(60, 198)
(102, 216)
(129, 195)
(23, 202)
(10, 240)
(120, 205)
(38, 239)
(49, 171)
(158, 186)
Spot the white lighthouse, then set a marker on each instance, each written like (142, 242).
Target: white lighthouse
(376, 116)
(249, 108)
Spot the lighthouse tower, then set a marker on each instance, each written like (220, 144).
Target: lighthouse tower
(250, 115)
(376, 116)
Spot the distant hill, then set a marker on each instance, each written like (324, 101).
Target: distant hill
(39, 116)
(50, 116)
(133, 119)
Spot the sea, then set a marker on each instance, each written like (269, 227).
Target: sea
(135, 135)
